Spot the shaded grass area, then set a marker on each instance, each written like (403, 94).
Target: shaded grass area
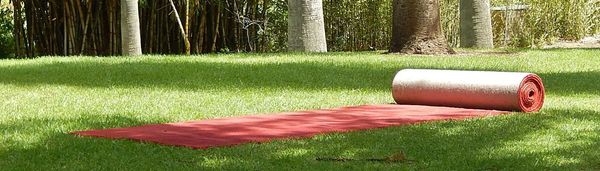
(43, 99)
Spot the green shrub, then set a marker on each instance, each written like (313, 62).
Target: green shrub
(7, 43)
(544, 22)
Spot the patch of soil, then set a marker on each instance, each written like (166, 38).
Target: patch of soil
(460, 52)
(490, 52)
(587, 42)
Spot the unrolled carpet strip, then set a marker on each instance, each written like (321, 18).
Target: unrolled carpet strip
(238, 130)
(420, 97)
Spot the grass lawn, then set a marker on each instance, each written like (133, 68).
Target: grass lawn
(43, 99)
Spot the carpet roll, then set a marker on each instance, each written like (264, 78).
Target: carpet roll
(509, 91)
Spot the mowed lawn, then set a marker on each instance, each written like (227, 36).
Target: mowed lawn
(43, 99)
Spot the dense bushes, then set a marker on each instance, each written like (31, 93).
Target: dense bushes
(544, 22)
(6, 37)
(351, 25)
(550, 20)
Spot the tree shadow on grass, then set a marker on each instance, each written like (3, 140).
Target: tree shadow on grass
(199, 75)
(572, 83)
(505, 142)
(33, 143)
(221, 75)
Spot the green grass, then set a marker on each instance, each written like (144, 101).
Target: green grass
(43, 99)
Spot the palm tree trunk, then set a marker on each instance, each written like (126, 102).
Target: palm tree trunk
(130, 28)
(306, 26)
(417, 29)
(476, 24)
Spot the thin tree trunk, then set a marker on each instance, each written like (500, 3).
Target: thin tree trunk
(71, 29)
(202, 28)
(306, 26)
(187, 22)
(85, 28)
(417, 29)
(181, 29)
(29, 16)
(111, 29)
(151, 27)
(264, 43)
(18, 26)
(65, 30)
(476, 24)
(215, 28)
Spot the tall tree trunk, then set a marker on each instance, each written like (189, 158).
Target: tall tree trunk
(306, 26)
(131, 39)
(417, 29)
(476, 24)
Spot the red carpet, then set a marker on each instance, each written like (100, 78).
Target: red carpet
(238, 130)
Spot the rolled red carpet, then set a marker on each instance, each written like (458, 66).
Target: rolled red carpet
(509, 91)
